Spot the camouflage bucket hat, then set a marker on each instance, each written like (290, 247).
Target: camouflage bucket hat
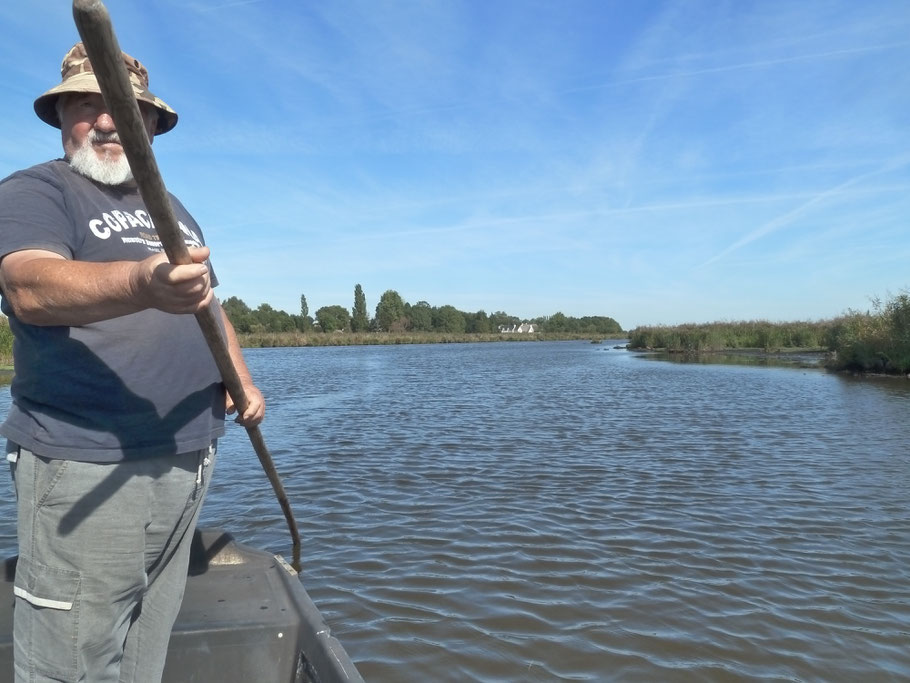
(78, 76)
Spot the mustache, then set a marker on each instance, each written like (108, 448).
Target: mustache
(100, 137)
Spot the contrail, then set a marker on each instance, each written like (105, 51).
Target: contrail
(743, 65)
(226, 5)
(787, 218)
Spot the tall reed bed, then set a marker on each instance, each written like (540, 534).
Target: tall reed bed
(718, 336)
(877, 341)
(873, 341)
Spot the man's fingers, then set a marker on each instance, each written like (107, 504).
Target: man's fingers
(170, 274)
(199, 254)
(178, 288)
(255, 409)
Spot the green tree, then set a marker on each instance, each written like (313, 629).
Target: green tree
(234, 306)
(359, 321)
(238, 313)
(267, 319)
(448, 319)
(390, 312)
(303, 322)
(557, 323)
(598, 324)
(331, 318)
(420, 316)
(478, 323)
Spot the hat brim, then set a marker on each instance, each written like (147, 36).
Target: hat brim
(46, 104)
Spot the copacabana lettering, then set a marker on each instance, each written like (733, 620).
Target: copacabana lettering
(117, 221)
(95, 226)
(112, 222)
(126, 219)
(144, 218)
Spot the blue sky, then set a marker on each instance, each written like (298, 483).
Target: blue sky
(656, 162)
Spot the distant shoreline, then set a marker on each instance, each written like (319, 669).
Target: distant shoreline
(253, 340)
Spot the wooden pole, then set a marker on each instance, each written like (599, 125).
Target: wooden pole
(97, 32)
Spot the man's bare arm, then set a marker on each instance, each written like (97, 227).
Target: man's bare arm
(44, 288)
(255, 410)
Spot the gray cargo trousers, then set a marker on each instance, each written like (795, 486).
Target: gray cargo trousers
(103, 557)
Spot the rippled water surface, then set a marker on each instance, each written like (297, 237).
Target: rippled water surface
(569, 512)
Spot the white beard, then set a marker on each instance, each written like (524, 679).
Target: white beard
(104, 169)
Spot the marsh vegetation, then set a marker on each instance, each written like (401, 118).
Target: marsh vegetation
(876, 341)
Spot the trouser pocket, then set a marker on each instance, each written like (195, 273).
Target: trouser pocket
(46, 619)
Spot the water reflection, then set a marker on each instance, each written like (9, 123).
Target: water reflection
(750, 357)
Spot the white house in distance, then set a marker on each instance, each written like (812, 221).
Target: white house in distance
(524, 328)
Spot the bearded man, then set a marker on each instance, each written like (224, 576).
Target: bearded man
(117, 402)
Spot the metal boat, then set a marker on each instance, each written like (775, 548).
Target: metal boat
(245, 618)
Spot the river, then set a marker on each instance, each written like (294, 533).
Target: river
(570, 511)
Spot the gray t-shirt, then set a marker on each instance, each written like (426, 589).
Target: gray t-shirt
(134, 386)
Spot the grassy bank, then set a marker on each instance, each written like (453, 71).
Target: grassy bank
(285, 339)
(876, 341)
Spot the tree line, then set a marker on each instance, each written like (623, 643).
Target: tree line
(393, 314)
(870, 341)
